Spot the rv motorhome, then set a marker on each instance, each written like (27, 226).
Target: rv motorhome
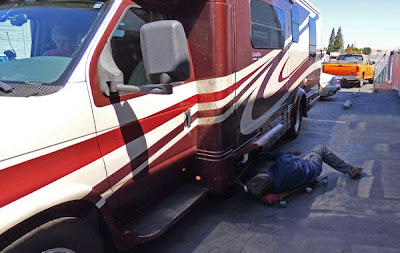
(118, 116)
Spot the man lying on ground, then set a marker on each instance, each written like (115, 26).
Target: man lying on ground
(289, 171)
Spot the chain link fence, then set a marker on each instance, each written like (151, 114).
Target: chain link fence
(382, 68)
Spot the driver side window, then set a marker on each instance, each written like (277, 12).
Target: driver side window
(125, 44)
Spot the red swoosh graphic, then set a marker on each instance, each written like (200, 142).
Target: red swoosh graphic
(281, 78)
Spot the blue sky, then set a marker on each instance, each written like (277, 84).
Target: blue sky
(368, 23)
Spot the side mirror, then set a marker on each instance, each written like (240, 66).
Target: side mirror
(165, 52)
(373, 62)
(19, 19)
(165, 58)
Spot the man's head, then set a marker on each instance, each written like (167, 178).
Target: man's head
(260, 184)
(64, 40)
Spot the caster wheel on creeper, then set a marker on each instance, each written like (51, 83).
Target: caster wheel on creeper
(308, 189)
(282, 203)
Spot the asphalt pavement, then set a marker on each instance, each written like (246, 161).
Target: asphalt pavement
(361, 215)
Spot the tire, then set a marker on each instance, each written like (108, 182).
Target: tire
(64, 235)
(296, 124)
(361, 81)
(371, 81)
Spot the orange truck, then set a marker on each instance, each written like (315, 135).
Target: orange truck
(351, 68)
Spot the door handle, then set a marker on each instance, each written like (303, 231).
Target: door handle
(188, 119)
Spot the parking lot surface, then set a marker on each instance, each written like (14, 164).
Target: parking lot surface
(361, 215)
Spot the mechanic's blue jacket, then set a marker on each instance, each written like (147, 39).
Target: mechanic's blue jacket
(289, 171)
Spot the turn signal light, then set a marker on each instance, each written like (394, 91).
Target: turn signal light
(357, 69)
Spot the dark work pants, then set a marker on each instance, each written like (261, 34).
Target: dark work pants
(321, 154)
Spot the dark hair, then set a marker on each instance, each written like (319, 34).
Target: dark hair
(260, 184)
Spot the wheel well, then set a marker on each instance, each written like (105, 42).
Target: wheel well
(82, 209)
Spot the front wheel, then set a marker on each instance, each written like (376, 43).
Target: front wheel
(64, 235)
(296, 124)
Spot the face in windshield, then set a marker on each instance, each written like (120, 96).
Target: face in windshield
(39, 39)
(64, 41)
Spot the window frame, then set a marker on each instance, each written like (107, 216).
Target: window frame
(295, 24)
(281, 31)
(312, 26)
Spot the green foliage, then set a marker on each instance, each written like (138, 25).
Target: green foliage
(336, 41)
(367, 50)
(338, 44)
(355, 50)
(331, 40)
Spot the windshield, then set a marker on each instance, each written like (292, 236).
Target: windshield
(350, 57)
(39, 39)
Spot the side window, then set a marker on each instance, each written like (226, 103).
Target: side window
(313, 37)
(295, 24)
(267, 25)
(125, 44)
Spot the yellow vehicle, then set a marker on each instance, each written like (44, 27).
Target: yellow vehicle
(351, 68)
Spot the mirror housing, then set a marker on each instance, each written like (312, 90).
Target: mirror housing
(165, 58)
(165, 51)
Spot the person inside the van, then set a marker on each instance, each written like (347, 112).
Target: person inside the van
(64, 41)
(289, 171)
(138, 76)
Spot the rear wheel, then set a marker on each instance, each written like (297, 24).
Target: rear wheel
(64, 235)
(296, 123)
(372, 79)
(361, 82)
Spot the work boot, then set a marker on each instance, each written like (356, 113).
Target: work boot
(354, 172)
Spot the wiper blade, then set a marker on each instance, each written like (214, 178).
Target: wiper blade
(5, 87)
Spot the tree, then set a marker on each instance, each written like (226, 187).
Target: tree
(338, 44)
(331, 40)
(367, 50)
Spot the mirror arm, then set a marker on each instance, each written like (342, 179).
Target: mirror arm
(145, 89)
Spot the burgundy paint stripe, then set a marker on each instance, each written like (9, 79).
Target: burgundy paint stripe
(215, 112)
(128, 168)
(27, 177)
(144, 156)
(220, 111)
(252, 82)
(192, 100)
(216, 96)
(281, 78)
(117, 138)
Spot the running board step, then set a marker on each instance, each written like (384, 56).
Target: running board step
(167, 212)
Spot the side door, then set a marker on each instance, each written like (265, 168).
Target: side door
(146, 139)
